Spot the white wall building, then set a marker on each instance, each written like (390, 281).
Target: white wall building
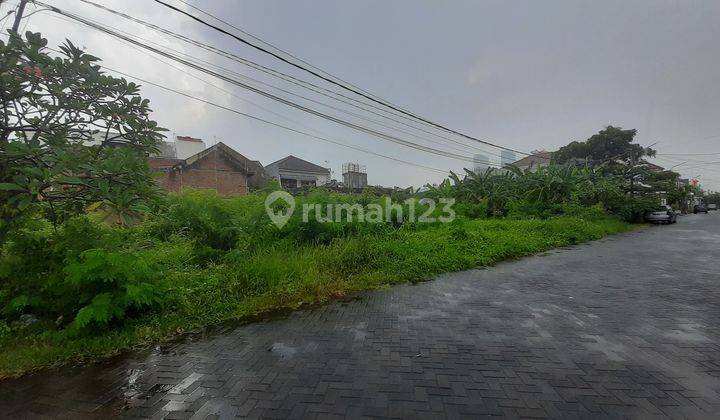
(188, 146)
(480, 163)
(293, 172)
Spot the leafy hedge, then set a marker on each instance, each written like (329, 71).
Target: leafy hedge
(544, 192)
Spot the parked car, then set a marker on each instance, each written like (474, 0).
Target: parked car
(712, 206)
(664, 214)
(700, 208)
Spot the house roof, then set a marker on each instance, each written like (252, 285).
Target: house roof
(250, 167)
(539, 158)
(188, 138)
(651, 166)
(292, 163)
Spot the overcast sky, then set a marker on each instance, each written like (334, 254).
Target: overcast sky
(528, 75)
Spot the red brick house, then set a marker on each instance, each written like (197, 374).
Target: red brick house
(218, 167)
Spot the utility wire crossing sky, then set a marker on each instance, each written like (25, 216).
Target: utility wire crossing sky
(455, 79)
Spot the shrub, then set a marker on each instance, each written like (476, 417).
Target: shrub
(109, 286)
(202, 216)
(31, 264)
(471, 210)
(632, 209)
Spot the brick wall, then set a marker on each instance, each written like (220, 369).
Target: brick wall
(211, 172)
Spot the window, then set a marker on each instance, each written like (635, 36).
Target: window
(288, 183)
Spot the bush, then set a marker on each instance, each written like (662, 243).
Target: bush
(547, 192)
(471, 210)
(71, 274)
(631, 209)
(202, 259)
(109, 286)
(32, 260)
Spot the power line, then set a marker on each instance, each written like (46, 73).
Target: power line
(283, 76)
(273, 46)
(12, 10)
(312, 111)
(256, 118)
(329, 80)
(325, 138)
(234, 57)
(273, 123)
(296, 58)
(196, 60)
(688, 154)
(694, 165)
(690, 161)
(278, 125)
(702, 166)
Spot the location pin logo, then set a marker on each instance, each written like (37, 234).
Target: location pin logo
(281, 217)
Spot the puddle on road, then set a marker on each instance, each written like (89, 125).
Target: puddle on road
(285, 351)
(101, 380)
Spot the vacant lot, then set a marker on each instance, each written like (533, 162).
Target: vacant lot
(207, 260)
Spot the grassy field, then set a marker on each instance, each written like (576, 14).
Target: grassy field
(283, 274)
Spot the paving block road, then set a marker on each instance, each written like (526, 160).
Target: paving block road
(624, 327)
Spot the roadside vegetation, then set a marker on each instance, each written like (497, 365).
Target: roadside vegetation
(201, 259)
(94, 259)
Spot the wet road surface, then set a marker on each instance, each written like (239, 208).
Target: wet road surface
(628, 326)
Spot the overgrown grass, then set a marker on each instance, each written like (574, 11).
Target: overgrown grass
(250, 268)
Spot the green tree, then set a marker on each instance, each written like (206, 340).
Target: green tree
(70, 135)
(680, 197)
(610, 145)
(494, 190)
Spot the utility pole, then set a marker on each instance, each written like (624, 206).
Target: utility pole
(18, 16)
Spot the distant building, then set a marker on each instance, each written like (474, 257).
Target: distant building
(651, 166)
(480, 163)
(538, 159)
(188, 146)
(187, 163)
(293, 172)
(507, 157)
(217, 167)
(354, 176)
(181, 148)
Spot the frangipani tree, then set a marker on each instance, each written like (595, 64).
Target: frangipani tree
(71, 136)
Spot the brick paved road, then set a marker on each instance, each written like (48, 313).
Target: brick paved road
(623, 327)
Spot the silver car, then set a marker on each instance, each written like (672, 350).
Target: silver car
(664, 214)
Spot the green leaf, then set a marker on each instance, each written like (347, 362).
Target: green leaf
(101, 310)
(7, 186)
(73, 180)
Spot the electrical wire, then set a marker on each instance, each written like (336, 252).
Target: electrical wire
(693, 166)
(273, 46)
(235, 111)
(688, 154)
(13, 9)
(293, 104)
(256, 118)
(283, 76)
(228, 71)
(326, 137)
(329, 80)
